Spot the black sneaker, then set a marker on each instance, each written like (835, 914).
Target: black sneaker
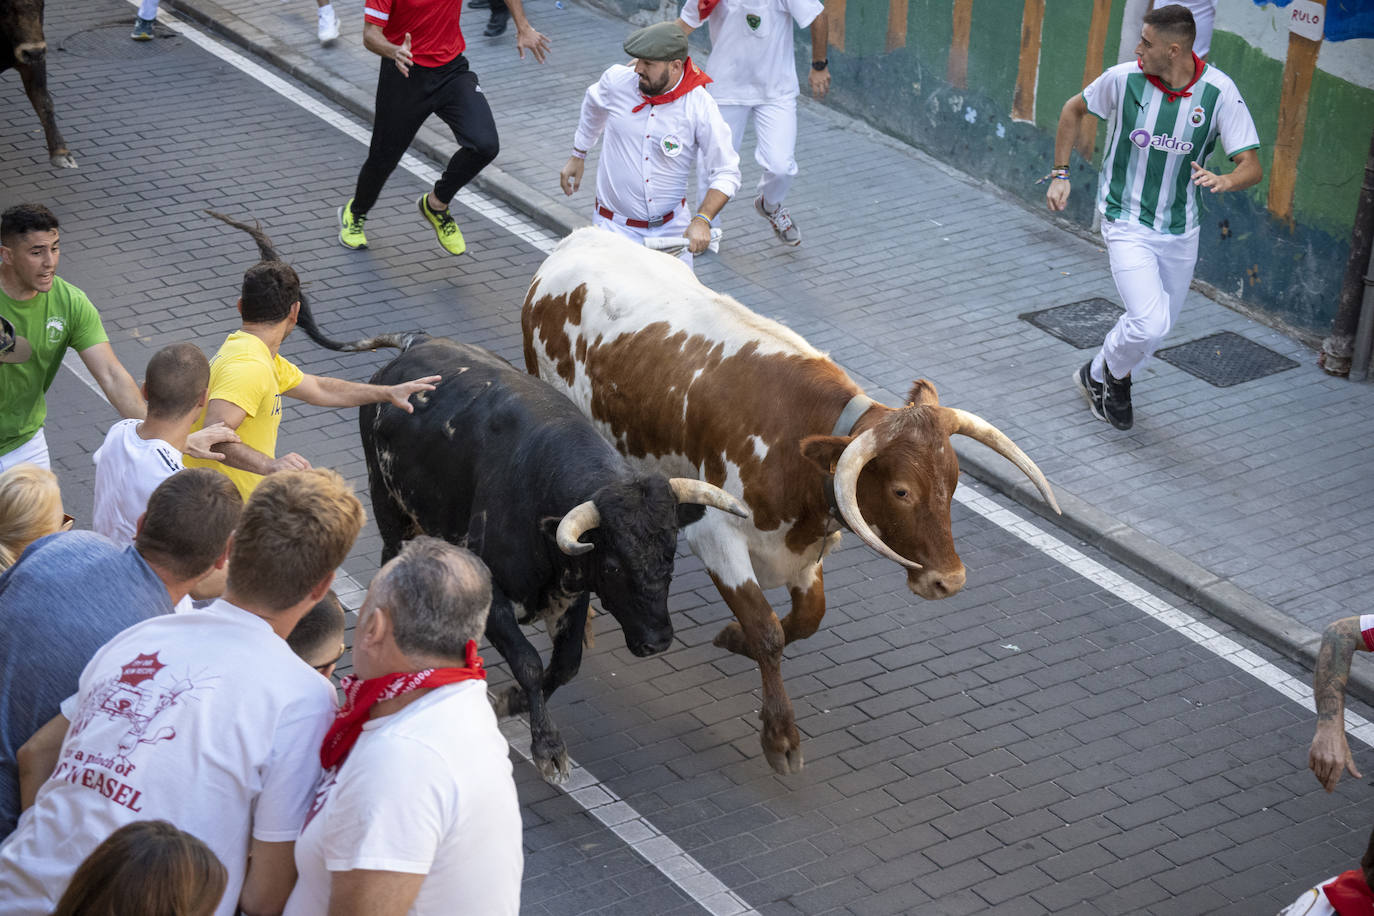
(1116, 400)
(496, 25)
(1092, 391)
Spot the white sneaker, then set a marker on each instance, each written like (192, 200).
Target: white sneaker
(781, 221)
(329, 25)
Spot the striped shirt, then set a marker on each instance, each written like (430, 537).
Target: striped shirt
(1152, 143)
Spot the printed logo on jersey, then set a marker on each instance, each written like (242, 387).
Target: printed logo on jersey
(753, 21)
(1198, 115)
(56, 329)
(672, 147)
(1143, 138)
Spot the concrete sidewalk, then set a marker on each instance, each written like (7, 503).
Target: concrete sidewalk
(1254, 501)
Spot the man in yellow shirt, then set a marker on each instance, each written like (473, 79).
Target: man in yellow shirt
(248, 377)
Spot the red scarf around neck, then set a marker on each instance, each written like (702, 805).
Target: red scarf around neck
(361, 695)
(1173, 95)
(1350, 895)
(704, 8)
(692, 77)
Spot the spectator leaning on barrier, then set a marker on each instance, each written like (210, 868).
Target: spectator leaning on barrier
(205, 719)
(137, 455)
(417, 812)
(72, 592)
(41, 317)
(1165, 113)
(754, 72)
(658, 122)
(248, 376)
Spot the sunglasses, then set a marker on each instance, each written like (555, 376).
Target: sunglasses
(334, 661)
(67, 522)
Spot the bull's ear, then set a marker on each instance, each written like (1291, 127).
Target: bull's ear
(923, 392)
(687, 513)
(824, 451)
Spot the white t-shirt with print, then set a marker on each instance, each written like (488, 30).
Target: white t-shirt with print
(752, 59)
(128, 468)
(425, 791)
(205, 719)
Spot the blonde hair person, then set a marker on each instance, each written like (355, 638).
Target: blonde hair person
(30, 507)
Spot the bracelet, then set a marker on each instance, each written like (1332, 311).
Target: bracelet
(703, 216)
(1064, 167)
(579, 153)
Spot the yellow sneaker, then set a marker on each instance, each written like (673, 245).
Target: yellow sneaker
(450, 236)
(351, 227)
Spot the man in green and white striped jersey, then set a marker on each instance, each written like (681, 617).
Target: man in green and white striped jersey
(1158, 138)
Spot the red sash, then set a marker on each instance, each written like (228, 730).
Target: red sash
(1172, 95)
(1350, 895)
(692, 77)
(360, 696)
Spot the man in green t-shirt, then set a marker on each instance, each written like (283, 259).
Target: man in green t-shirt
(44, 317)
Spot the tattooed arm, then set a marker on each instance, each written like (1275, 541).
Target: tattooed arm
(1330, 754)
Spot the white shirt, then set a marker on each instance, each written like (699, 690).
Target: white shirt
(752, 59)
(207, 720)
(128, 469)
(425, 791)
(649, 154)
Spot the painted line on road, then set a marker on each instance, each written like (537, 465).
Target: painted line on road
(1177, 620)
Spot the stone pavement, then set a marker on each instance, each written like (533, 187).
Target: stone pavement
(1036, 744)
(1252, 500)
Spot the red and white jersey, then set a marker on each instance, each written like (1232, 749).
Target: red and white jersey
(752, 59)
(435, 37)
(649, 154)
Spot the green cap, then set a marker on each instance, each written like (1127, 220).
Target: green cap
(660, 41)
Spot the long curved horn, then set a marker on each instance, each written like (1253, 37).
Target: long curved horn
(701, 493)
(580, 519)
(856, 454)
(980, 430)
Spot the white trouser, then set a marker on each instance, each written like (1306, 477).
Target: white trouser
(674, 227)
(775, 135)
(35, 451)
(1152, 271)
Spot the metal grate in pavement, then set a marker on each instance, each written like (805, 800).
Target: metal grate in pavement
(111, 41)
(1082, 324)
(1225, 359)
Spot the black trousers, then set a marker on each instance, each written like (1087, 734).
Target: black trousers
(404, 102)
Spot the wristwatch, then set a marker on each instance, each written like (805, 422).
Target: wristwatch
(820, 64)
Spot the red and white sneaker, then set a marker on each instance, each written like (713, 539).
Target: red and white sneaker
(781, 221)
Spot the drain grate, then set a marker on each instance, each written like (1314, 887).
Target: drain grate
(111, 41)
(1082, 324)
(1226, 359)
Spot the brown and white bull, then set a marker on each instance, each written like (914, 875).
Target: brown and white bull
(689, 382)
(23, 47)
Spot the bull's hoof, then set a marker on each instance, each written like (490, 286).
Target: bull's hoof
(731, 638)
(509, 702)
(785, 763)
(63, 160)
(554, 769)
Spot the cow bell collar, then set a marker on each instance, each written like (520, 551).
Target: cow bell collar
(844, 426)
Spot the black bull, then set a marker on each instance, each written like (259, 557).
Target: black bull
(493, 459)
(506, 465)
(23, 47)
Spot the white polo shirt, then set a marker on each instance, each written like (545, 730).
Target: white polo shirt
(752, 58)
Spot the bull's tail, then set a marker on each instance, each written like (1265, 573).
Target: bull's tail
(402, 340)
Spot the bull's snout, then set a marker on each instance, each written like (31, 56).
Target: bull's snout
(934, 584)
(651, 644)
(30, 52)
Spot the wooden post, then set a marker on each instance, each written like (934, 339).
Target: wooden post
(1032, 24)
(1092, 67)
(834, 11)
(1297, 83)
(896, 24)
(957, 72)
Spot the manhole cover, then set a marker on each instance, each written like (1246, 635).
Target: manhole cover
(1082, 324)
(111, 41)
(1226, 359)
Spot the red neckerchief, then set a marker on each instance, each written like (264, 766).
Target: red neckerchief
(1350, 895)
(360, 696)
(692, 77)
(704, 8)
(1172, 95)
